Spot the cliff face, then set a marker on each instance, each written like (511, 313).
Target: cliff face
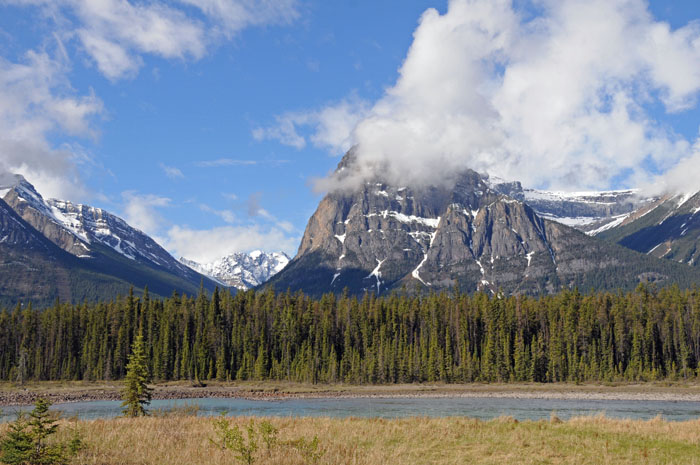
(380, 237)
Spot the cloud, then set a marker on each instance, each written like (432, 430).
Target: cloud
(568, 99)
(37, 101)
(38, 104)
(141, 211)
(115, 34)
(331, 127)
(195, 244)
(227, 215)
(171, 171)
(683, 177)
(264, 231)
(238, 162)
(225, 162)
(231, 16)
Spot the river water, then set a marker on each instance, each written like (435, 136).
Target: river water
(475, 407)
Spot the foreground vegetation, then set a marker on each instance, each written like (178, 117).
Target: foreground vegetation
(648, 334)
(169, 438)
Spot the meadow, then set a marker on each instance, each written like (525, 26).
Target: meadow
(182, 437)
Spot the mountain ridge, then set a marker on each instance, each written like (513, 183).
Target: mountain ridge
(380, 237)
(242, 270)
(96, 242)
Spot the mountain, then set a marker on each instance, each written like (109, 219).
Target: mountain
(32, 268)
(468, 235)
(242, 270)
(668, 228)
(591, 212)
(99, 242)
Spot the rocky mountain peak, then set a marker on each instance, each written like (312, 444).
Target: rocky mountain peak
(242, 270)
(468, 233)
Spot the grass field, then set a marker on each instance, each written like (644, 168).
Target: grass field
(178, 439)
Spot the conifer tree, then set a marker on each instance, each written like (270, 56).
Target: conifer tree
(136, 395)
(27, 441)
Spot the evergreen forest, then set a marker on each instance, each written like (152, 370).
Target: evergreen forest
(647, 334)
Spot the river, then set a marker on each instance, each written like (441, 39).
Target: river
(397, 407)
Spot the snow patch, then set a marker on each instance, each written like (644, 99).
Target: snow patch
(430, 222)
(416, 273)
(529, 258)
(377, 274)
(616, 221)
(572, 221)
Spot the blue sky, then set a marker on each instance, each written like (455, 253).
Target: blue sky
(207, 127)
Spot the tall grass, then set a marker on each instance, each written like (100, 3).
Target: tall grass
(177, 439)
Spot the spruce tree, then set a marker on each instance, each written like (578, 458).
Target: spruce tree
(27, 440)
(136, 395)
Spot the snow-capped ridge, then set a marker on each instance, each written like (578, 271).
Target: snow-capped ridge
(242, 270)
(79, 228)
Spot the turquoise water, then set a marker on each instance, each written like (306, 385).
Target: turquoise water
(475, 407)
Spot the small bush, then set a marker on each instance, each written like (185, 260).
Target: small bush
(309, 450)
(268, 434)
(28, 441)
(244, 448)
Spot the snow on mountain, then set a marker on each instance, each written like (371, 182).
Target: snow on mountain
(242, 270)
(78, 228)
(379, 237)
(668, 228)
(589, 211)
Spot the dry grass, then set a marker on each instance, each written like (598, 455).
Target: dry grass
(587, 440)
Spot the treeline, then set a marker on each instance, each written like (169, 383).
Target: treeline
(647, 334)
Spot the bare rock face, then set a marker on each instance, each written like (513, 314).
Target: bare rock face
(31, 268)
(29, 204)
(465, 235)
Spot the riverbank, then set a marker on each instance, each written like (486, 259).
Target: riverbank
(61, 392)
(585, 440)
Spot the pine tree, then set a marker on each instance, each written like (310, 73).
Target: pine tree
(136, 395)
(27, 441)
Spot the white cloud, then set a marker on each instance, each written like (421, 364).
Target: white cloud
(36, 101)
(204, 245)
(196, 244)
(562, 100)
(171, 171)
(231, 16)
(225, 162)
(331, 126)
(227, 215)
(141, 211)
(115, 34)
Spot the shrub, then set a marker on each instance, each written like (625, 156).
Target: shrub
(28, 440)
(244, 448)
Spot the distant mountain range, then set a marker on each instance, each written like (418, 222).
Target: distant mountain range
(78, 252)
(242, 270)
(477, 234)
(590, 212)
